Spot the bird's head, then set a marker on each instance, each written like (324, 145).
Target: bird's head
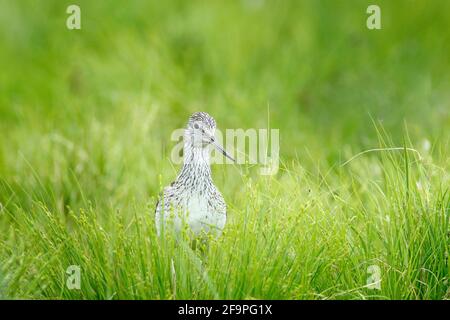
(200, 132)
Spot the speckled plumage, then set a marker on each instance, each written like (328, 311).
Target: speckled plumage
(193, 198)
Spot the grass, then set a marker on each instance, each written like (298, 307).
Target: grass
(86, 118)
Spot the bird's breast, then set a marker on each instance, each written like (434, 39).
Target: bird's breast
(197, 206)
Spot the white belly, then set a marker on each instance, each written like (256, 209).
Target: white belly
(195, 212)
(201, 217)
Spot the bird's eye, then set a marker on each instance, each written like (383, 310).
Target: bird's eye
(196, 126)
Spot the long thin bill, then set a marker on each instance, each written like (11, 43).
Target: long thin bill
(223, 151)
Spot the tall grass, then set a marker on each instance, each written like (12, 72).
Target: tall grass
(298, 236)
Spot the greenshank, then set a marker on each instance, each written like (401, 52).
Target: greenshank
(193, 198)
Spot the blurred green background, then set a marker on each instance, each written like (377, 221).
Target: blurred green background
(100, 103)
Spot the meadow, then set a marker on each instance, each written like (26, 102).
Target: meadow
(359, 208)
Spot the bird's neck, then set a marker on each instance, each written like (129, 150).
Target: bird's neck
(195, 155)
(196, 171)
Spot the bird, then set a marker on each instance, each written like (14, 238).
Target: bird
(193, 199)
